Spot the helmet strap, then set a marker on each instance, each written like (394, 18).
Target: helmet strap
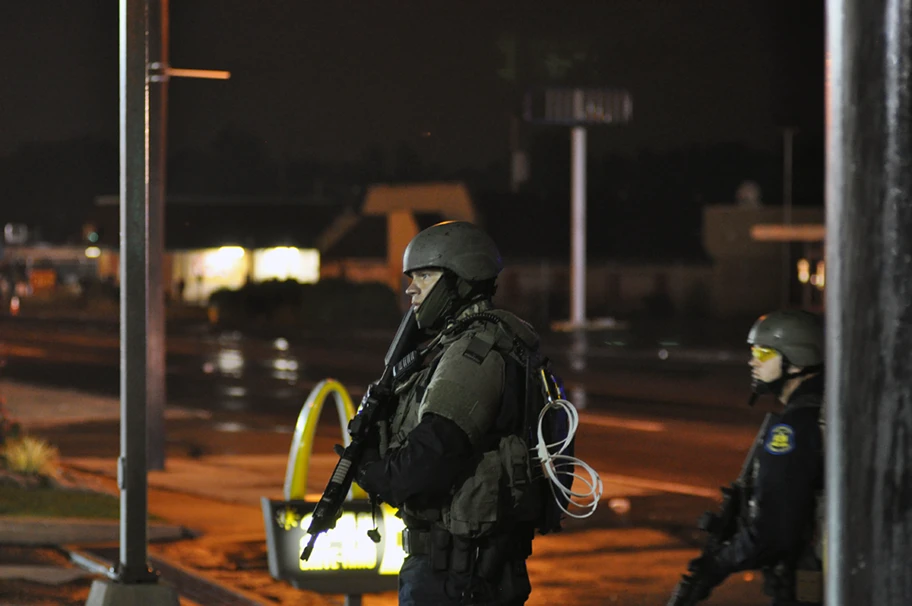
(437, 304)
(760, 388)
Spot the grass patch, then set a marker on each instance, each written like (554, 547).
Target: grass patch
(55, 503)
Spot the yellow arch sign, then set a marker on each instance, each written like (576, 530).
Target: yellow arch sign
(346, 550)
(305, 430)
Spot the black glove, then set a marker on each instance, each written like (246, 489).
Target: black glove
(363, 424)
(371, 475)
(369, 456)
(707, 575)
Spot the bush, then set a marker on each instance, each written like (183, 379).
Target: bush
(31, 456)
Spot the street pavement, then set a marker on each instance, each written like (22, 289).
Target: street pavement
(628, 554)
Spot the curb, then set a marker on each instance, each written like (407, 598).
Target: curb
(192, 585)
(52, 532)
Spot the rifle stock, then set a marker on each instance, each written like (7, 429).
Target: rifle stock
(374, 407)
(720, 527)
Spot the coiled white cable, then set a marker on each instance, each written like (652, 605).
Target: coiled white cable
(555, 464)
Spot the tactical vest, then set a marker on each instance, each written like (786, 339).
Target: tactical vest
(494, 495)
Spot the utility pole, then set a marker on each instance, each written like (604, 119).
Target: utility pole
(869, 303)
(160, 72)
(156, 397)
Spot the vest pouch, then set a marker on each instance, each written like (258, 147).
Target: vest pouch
(514, 454)
(492, 556)
(524, 492)
(441, 545)
(474, 509)
(463, 552)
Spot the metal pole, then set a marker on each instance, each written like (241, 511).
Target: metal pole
(158, 126)
(134, 292)
(578, 218)
(869, 288)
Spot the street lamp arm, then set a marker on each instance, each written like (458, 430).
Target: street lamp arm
(159, 72)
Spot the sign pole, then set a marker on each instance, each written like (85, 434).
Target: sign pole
(578, 108)
(578, 217)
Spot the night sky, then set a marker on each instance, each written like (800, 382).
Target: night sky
(328, 80)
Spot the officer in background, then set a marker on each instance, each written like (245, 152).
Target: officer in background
(781, 530)
(442, 466)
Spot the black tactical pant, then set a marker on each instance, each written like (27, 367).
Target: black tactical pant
(421, 585)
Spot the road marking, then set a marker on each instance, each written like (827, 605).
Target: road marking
(642, 483)
(618, 423)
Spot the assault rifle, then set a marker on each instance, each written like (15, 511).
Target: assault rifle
(375, 407)
(720, 527)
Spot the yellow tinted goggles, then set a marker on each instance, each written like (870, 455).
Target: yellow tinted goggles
(762, 354)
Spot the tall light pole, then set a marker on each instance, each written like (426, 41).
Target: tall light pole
(141, 299)
(133, 582)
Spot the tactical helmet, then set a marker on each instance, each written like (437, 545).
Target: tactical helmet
(797, 335)
(457, 246)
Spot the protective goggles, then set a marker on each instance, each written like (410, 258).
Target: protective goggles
(762, 354)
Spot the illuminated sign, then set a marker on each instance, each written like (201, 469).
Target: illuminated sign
(42, 279)
(345, 560)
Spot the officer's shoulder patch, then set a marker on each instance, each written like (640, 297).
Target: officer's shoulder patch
(478, 348)
(780, 440)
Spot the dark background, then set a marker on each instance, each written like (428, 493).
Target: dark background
(326, 98)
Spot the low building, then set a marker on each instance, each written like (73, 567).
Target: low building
(762, 262)
(224, 242)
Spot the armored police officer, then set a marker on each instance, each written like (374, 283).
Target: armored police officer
(449, 447)
(781, 530)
